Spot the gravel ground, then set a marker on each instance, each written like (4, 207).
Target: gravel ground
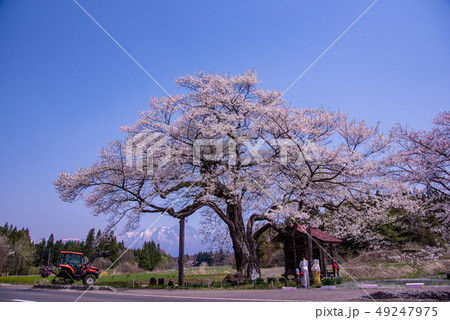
(428, 294)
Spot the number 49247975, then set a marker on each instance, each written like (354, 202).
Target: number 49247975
(407, 311)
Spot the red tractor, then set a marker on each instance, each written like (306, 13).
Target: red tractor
(74, 266)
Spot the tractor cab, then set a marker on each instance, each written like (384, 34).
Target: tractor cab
(73, 261)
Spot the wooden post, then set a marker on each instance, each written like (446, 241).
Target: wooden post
(310, 248)
(332, 259)
(286, 266)
(323, 266)
(305, 246)
(295, 256)
(181, 255)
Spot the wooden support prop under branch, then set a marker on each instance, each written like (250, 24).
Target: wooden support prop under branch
(181, 254)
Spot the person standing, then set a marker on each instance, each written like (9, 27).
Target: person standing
(337, 267)
(316, 272)
(304, 279)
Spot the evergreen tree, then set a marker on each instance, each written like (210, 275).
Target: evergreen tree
(74, 246)
(112, 246)
(4, 230)
(149, 256)
(100, 241)
(48, 253)
(206, 257)
(56, 252)
(39, 257)
(89, 244)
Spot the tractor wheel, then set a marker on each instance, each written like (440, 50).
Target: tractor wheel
(89, 280)
(62, 278)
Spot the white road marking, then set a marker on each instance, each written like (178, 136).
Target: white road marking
(20, 300)
(195, 297)
(215, 298)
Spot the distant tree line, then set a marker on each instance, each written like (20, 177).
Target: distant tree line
(20, 255)
(218, 258)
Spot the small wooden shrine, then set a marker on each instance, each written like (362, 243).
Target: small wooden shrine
(295, 242)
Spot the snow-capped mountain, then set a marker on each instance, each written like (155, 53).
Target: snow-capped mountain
(167, 237)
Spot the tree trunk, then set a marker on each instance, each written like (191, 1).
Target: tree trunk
(244, 248)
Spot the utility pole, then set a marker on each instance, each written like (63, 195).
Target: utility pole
(181, 254)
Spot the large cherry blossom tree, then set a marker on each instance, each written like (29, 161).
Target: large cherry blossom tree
(236, 153)
(421, 160)
(413, 206)
(423, 157)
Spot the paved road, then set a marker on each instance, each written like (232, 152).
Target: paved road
(27, 293)
(19, 293)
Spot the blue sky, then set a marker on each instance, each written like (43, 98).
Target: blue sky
(66, 88)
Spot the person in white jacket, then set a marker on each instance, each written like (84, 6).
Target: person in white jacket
(304, 279)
